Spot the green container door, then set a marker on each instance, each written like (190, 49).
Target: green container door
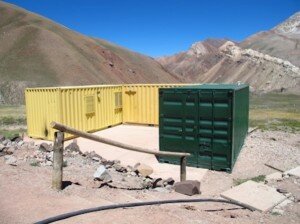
(200, 120)
(215, 111)
(178, 129)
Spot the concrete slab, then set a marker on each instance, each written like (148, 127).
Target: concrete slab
(137, 135)
(255, 196)
(294, 172)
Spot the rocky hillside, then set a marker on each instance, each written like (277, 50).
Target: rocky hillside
(283, 41)
(265, 70)
(35, 51)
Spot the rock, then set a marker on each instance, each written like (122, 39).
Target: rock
(10, 150)
(188, 187)
(30, 144)
(104, 161)
(133, 174)
(2, 138)
(102, 174)
(6, 142)
(277, 211)
(16, 139)
(10, 160)
(277, 176)
(107, 166)
(49, 156)
(131, 169)
(74, 153)
(147, 183)
(136, 165)
(118, 167)
(169, 181)
(282, 190)
(97, 159)
(2, 147)
(110, 162)
(158, 182)
(144, 170)
(20, 143)
(48, 163)
(44, 147)
(73, 147)
(117, 161)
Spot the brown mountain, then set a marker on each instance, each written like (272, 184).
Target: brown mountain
(35, 51)
(283, 41)
(266, 69)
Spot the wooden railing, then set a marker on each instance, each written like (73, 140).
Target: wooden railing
(58, 151)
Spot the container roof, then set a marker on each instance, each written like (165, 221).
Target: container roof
(231, 86)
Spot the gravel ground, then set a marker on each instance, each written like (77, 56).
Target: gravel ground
(26, 196)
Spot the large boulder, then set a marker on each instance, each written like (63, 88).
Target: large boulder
(188, 187)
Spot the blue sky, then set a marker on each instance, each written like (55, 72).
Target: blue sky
(165, 27)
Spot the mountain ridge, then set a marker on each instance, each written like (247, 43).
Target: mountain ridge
(265, 64)
(35, 51)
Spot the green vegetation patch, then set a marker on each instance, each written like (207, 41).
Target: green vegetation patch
(12, 120)
(259, 178)
(275, 112)
(9, 120)
(12, 133)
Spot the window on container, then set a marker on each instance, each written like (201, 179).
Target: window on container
(89, 102)
(118, 100)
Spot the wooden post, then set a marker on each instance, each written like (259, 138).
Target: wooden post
(58, 148)
(183, 168)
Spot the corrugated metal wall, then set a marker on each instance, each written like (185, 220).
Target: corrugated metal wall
(140, 102)
(91, 108)
(42, 107)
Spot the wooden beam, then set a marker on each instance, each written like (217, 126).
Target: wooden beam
(96, 138)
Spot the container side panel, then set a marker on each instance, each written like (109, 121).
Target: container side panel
(41, 110)
(140, 102)
(240, 121)
(93, 108)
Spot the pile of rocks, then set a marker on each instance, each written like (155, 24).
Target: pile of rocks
(9, 146)
(114, 174)
(110, 172)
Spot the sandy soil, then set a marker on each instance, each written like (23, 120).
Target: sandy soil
(26, 196)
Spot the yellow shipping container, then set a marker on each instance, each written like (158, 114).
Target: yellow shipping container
(140, 102)
(87, 108)
(91, 108)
